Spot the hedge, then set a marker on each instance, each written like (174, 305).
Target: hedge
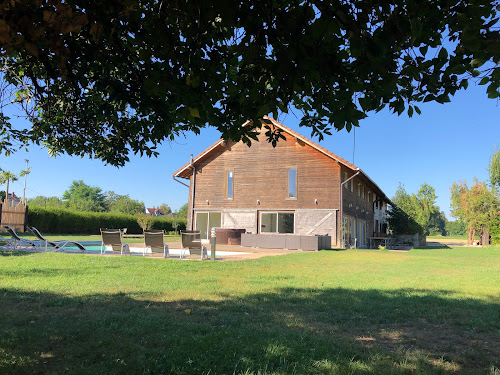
(61, 221)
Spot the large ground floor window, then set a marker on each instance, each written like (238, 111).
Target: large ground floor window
(277, 222)
(206, 221)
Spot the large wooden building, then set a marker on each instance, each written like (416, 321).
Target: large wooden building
(296, 187)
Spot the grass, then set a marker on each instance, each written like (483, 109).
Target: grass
(448, 238)
(329, 312)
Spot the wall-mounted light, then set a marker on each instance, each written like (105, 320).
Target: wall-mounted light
(258, 202)
(315, 201)
(207, 201)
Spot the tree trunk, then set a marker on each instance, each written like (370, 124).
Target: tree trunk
(7, 190)
(469, 242)
(473, 234)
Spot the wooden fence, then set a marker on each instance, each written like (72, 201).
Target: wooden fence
(13, 214)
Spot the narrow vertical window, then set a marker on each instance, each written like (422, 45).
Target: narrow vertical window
(230, 185)
(345, 179)
(352, 185)
(363, 192)
(369, 193)
(292, 183)
(359, 190)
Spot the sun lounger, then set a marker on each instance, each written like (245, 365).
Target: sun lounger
(18, 243)
(112, 239)
(191, 240)
(153, 239)
(56, 245)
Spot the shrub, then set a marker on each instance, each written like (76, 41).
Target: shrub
(56, 220)
(145, 221)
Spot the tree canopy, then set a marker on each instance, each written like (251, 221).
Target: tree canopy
(108, 78)
(82, 197)
(478, 206)
(494, 169)
(123, 204)
(415, 213)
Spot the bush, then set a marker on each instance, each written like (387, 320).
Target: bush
(56, 220)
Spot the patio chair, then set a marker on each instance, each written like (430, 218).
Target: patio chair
(18, 243)
(113, 239)
(56, 245)
(153, 239)
(191, 240)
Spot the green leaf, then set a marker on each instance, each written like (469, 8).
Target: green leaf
(484, 80)
(194, 112)
(418, 110)
(476, 63)
(443, 54)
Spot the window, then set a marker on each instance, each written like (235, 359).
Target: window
(359, 190)
(346, 176)
(368, 198)
(292, 183)
(277, 222)
(352, 185)
(230, 185)
(363, 192)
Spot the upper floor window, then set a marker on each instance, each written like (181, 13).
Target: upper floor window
(359, 190)
(346, 176)
(292, 183)
(230, 185)
(352, 185)
(368, 196)
(363, 192)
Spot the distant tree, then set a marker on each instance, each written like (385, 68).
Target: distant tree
(476, 205)
(5, 178)
(425, 200)
(2, 195)
(123, 204)
(181, 213)
(41, 201)
(165, 208)
(418, 206)
(437, 223)
(494, 169)
(82, 197)
(399, 222)
(404, 201)
(456, 228)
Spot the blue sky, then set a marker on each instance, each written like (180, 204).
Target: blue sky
(446, 143)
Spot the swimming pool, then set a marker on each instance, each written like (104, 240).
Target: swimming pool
(95, 247)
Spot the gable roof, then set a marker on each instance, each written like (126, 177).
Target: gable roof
(185, 170)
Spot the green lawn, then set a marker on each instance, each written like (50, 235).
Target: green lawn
(448, 238)
(329, 312)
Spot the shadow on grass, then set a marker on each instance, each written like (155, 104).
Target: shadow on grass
(292, 331)
(431, 247)
(10, 253)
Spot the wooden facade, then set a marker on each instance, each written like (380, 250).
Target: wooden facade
(234, 185)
